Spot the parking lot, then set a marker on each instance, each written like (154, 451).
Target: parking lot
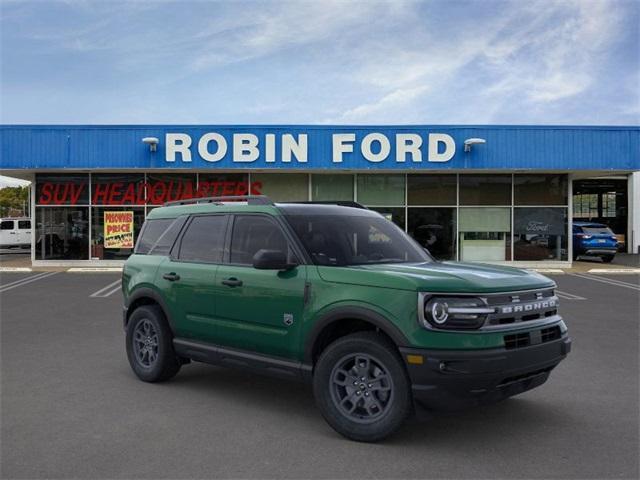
(71, 407)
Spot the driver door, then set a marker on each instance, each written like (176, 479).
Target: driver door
(259, 310)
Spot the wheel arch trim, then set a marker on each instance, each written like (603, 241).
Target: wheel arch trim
(146, 292)
(352, 313)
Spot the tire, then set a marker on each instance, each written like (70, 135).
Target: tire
(159, 362)
(388, 400)
(608, 258)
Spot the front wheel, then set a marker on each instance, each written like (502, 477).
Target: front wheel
(361, 387)
(607, 258)
(150, 345)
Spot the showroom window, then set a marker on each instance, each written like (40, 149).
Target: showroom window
(169, 187)
(540, 189)
(427, 190)
(540, 234)
(331, 187)
(118, 189)
(283, 187)
(114, 250)
(62, 233)
(489, 189)
(384, 194)
(435, 230)
(62, 189)
(485, 234)
(225, 184)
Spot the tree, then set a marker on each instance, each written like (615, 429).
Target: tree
(14, 201)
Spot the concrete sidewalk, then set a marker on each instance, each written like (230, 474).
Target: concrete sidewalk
(622, 263)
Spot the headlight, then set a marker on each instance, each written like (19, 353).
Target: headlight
(455, 313)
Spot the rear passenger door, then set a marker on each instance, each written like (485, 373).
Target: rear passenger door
(24, 232)
(187, 276)
(259, 310)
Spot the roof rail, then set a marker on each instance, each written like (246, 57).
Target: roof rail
(250, 199)
(341, 203)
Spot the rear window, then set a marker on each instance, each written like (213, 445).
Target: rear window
(151, 233)
(24, 224)
(597, 230)
(6, 225)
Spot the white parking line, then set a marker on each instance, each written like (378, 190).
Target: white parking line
(568, 296)
(608, 281)
(24, 281)
(108, 290)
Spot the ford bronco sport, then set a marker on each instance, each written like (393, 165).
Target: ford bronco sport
(337, 296)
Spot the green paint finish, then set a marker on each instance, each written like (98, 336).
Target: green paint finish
(270, 314)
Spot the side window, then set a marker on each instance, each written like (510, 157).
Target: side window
(167, 239)
(24, 224)
(252, 233)
(6, 225)
(150, 234)
(204, 239)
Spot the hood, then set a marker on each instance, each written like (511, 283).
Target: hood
(438, 277)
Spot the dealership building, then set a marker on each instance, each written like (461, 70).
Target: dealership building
(500, 194)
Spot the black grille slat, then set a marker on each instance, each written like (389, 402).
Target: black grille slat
(517, 340)
(521, 340)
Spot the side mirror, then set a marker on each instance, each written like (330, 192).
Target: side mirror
(271, 260)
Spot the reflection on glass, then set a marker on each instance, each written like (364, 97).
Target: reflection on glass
(62, 233)
(431, 189)
(485, 189)
(434, 229)
(283, 187)
(380, 189)
(393, 214)
(540, 189)
(331, 187)
(540, 234)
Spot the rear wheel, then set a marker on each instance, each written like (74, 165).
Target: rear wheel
(361, 387)
(150, 345)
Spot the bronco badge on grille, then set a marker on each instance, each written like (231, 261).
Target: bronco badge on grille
(529, 307)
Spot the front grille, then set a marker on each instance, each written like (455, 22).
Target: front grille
(521, 307)
(549, 334)
(517, 340)
(520, 340)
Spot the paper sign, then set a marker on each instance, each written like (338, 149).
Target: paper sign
(118, 229)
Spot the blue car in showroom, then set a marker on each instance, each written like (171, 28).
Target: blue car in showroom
(594, 239)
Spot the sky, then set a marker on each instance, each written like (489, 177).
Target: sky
(320, 62)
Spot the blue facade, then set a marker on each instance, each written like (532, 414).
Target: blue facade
(554, 148)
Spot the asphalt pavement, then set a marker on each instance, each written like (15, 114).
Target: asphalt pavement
(72, 408)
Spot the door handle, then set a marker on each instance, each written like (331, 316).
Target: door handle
(172, 277)
(232, 282)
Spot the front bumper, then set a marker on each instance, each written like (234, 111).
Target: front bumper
(454, 379)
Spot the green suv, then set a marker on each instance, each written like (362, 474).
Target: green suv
(337, 296)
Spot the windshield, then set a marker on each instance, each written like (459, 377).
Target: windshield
(341, 240)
